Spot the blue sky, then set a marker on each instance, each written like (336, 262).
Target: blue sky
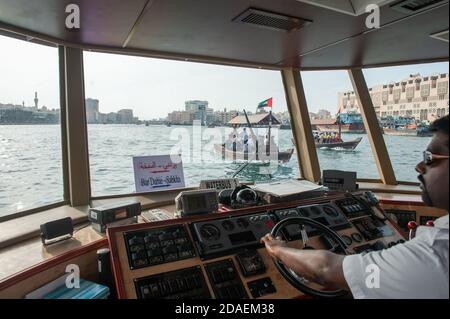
(153, 87)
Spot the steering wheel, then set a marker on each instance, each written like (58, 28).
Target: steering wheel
(295, 279)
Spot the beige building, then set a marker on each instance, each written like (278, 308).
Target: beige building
(424, 98)
(223, 117)
(181, 117)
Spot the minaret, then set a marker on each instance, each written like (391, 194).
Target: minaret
(36, 100)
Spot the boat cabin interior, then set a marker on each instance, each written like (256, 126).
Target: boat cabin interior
(165, 248)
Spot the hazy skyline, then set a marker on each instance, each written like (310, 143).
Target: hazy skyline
(155, 87)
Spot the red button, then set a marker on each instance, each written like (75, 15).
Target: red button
(412, 225)
(430, 223)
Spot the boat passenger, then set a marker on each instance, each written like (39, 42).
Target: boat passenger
(412, 270)
(245, 140)
(251, 145)
(234, 142)
(267, 144)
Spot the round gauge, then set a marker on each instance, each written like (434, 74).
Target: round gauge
(330, 211)
(242, 223)
(347, 240)
(305, 213)
(228, 225)
(210, 232)
(316, 210)
(357, 237)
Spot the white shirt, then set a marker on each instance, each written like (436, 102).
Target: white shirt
(417, 269)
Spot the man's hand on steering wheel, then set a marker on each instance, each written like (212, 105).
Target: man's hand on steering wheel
(273, 244)
(298, 266)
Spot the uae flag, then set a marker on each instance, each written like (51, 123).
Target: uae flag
(266, 103)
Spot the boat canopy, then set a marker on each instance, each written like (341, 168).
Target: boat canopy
(260, 119)
(323, 122)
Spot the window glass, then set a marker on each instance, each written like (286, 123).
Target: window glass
(30, 131)
(341, 141)
(143, 107)
(405, 117)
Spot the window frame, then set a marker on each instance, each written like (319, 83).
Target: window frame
(43, 40)
(63, 127)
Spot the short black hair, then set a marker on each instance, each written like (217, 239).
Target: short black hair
(440, 125)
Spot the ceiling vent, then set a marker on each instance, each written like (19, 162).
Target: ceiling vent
(443, 36)
(270, 20)
(413, 6)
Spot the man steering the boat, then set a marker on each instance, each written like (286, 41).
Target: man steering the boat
(416, 269)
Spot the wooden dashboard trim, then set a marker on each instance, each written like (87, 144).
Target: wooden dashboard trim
(36, 269)
(402, 202)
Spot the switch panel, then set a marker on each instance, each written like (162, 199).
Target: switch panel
(158, 246)
(352, 208)
(181, 284)
(225, 280)
(262, 287)
(371, 228)
(251, 263)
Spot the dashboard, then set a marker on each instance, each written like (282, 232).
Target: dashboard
(220, 255)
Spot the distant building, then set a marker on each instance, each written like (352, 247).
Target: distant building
(92, 111)
(199, 108)
(424, 98)
(36, 100)
(21, 114)
(111, 118)
(181, 117)
(93, 115)
(125, 116)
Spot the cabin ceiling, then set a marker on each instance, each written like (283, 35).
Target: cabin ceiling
(205, 30)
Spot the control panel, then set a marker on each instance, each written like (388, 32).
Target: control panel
(224, 235)
(353, 208)
(181, 284)
(158, 246)
(220, 255)
(225, 280)
(261, 287)
(251, 263)
(372, 228)
(327, 214)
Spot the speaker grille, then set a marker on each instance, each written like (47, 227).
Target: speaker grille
(270, 20)
(412, 6)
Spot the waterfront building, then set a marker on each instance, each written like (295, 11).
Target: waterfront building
(422, 98)
(125, 116)
(198, 108)
(93, 115)
(92, 110)
(36, 100)
(181, 117)
(111, 118)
